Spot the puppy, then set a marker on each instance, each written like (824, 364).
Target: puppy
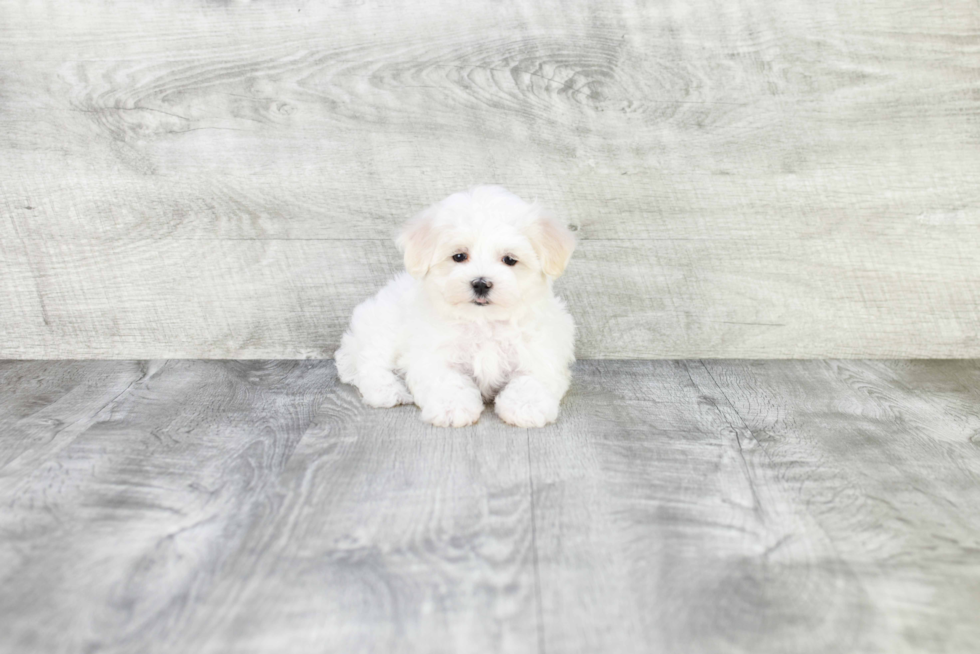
(473, 319)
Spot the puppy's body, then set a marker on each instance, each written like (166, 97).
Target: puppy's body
(475, 317)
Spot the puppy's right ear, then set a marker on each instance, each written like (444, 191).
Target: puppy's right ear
(417, 242)
(552, 242)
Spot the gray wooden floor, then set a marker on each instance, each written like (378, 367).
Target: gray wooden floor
(677, 506)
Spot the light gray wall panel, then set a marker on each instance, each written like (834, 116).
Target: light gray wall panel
(753, 179)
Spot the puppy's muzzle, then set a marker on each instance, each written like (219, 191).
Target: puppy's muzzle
(481, 287)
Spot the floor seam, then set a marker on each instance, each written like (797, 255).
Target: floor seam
(539, 612)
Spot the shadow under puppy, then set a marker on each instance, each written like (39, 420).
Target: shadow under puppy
(473, 319)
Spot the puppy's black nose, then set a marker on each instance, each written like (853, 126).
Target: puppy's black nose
(481, 286)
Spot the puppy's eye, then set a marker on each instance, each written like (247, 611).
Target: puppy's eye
(509, 260)
(460, 257)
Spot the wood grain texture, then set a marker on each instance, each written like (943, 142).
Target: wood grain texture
(707, 506)
(252, 507)
(755, 180)
(676, 506)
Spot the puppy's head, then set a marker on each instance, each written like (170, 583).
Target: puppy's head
(485, 252)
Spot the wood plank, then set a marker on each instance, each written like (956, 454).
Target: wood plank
(896, 444)
(763, 146)
(388, 535)
(738, 506)
(760, 506)
(248, 298)
(46, 406)
(266, 298)
(111, 541)
(258, 506)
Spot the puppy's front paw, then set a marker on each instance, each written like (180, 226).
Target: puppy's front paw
(452, 412)
(524, 402)
(385, 393)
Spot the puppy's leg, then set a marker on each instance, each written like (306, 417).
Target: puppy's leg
(367, 364)
(366, 357)
(526, 402)
(381, 387)
(531, 397)
(447, 398)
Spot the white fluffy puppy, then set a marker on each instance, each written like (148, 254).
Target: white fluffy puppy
(473, 319)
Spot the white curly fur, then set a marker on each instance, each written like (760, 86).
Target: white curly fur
(429, 337)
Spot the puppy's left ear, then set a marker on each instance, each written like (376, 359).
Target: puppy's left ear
(417, 243)
(552, 241)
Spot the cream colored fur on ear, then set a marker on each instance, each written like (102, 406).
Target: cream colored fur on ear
(417, 242)
(552, 241)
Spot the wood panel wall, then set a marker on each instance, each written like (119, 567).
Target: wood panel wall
(747, 179)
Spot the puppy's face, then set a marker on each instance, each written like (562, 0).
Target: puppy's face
(485, 252)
